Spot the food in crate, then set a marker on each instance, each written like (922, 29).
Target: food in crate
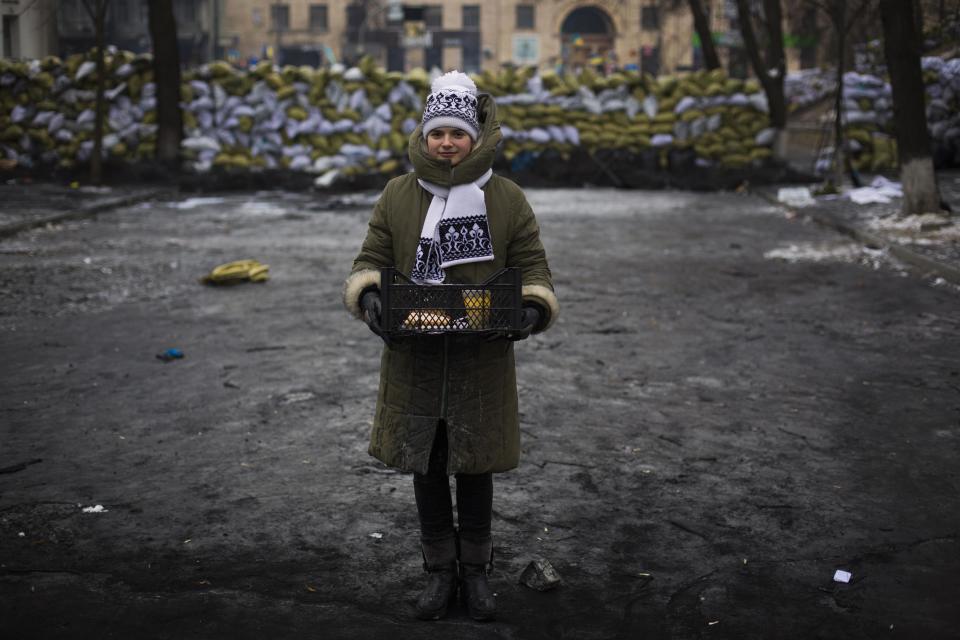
(450, 308)
(427, 320)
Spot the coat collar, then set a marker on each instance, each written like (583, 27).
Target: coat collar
(479, 160)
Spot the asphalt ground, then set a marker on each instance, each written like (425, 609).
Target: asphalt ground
(714, 426)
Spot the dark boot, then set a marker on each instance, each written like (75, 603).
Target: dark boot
(475, 592)
(475, 561)
(439, 561)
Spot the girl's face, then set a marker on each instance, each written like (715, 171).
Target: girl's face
(449, 143)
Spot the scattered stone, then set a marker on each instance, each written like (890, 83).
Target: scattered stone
(540, 575)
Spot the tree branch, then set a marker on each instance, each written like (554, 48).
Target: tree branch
(857, 14)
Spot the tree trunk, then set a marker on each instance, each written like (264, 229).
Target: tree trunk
(769, 73)
(839, 19)
(96, 160)
(702, 24)
(166, 71)
(902, 48)
(918, 20)
(776, 67)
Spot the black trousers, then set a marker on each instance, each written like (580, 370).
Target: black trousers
(434, 506)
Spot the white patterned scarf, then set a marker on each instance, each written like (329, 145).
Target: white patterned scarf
(455, 231)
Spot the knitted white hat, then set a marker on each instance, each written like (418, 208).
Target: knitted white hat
(452, 103)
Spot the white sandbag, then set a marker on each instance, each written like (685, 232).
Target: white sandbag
(292, 151)
(861, 117)
(201, 143)
(765, 137)
(226, 137)
(56, 122)
(20, 113)
(111, 94)
(540, 136)
(698, 127)
(87, 116)
(356, 152)
(359, 103)
(86, 68)
(613, 104)
(203, 103)
(686, 103)
(661, 140)
(572, 134)
(219, 96)
(759, 102)
(205, 120)
(650, 106)
(353, 74)
(300, 163)
(327, 179)
(556, 134)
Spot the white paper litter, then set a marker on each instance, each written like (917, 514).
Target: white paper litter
(807, 252)
(95, 509)
(193, 203)
(880, 191)
(376, 534)
(795, 196)
(842, 576)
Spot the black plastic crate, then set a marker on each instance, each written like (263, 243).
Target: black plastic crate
(414, 309)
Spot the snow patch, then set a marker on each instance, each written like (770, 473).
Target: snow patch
(95, 509)
(193, 203)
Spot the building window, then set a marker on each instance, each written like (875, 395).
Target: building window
(318, 17)
(185, 12)
(433, 16)
(280, 16)
(650, 18)
(470, 54)
(525, 17)
(471, 16)
(433, 57)
(356, 16)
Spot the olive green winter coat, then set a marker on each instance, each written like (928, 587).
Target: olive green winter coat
(468, 383)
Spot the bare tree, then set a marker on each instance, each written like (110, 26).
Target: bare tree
(842, 20)
(97, 9)
(701, 22)
(902, 48)
(770, 69)
(166, 72)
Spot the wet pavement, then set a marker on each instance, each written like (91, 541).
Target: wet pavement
(734, 404)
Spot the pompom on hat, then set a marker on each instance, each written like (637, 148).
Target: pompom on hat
(452, 103)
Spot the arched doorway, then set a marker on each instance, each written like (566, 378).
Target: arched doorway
(586, 39)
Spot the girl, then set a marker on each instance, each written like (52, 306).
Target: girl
(447, 405)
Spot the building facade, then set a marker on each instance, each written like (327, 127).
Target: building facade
(29, 28)
(127, 27)
(655, 36)
(650, 35)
